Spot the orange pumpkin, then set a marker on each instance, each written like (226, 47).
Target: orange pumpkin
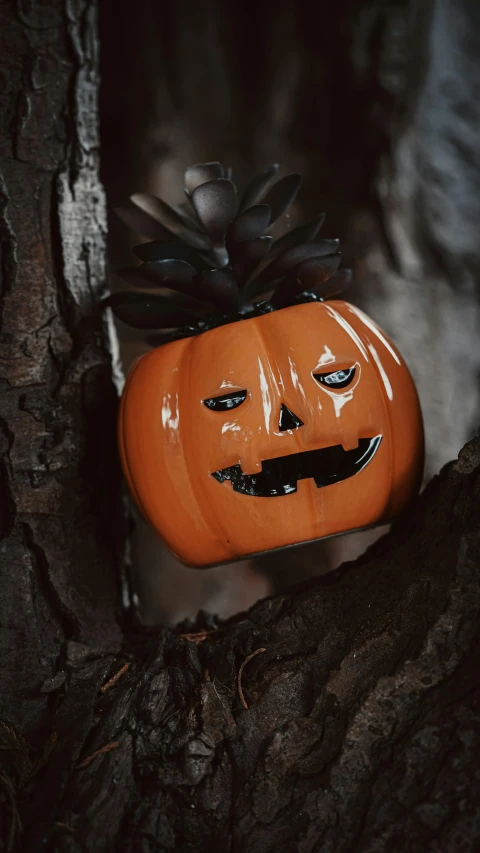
(279, 428)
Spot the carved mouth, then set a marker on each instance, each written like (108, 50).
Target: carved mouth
(279, 476)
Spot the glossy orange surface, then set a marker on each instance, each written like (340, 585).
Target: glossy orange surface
(171, 443)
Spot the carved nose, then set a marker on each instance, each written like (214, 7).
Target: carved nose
(288, 420)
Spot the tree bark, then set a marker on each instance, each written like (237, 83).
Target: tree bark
(361, 731)
(59, 474)
(341, 716)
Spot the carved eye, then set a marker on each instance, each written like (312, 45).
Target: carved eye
(226, 401)
(336, 380)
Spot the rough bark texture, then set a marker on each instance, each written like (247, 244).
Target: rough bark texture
(59, 476)
(355, 726)
(362, 727)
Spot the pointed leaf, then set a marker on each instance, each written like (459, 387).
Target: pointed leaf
(201, 173)
(216, 205)
(179, 276)
(135, 277)
(248, 225)
(303, 234)
(220, 287)
(178, 295)
(311, 273)
(248, 255)
(169, 218)
(143, 311)
(258, 186)
(174, 275)
(159, 210)
(143, 224)
(168, 273)
(291, 258)
(282, 194)
(168, 250)
(338, 283)
(187, 212)
(179, 299)
(253, 290)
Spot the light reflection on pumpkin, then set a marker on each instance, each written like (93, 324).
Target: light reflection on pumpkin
(175, 449)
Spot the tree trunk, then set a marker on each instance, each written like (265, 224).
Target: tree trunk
(361, 731)
(59, 474)
(339, 717)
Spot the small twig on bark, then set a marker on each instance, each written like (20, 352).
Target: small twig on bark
(107, 748)
(200, 636)
(113, 680)
(240, 673)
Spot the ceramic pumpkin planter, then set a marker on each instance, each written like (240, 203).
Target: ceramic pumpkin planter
(273, 424)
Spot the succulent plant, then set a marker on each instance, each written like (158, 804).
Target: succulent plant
(211, 261)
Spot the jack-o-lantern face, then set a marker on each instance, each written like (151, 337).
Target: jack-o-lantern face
(279, 429)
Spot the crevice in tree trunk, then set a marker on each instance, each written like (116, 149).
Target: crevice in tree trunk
(361, 727)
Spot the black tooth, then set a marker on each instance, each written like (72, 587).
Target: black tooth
(280, 475)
